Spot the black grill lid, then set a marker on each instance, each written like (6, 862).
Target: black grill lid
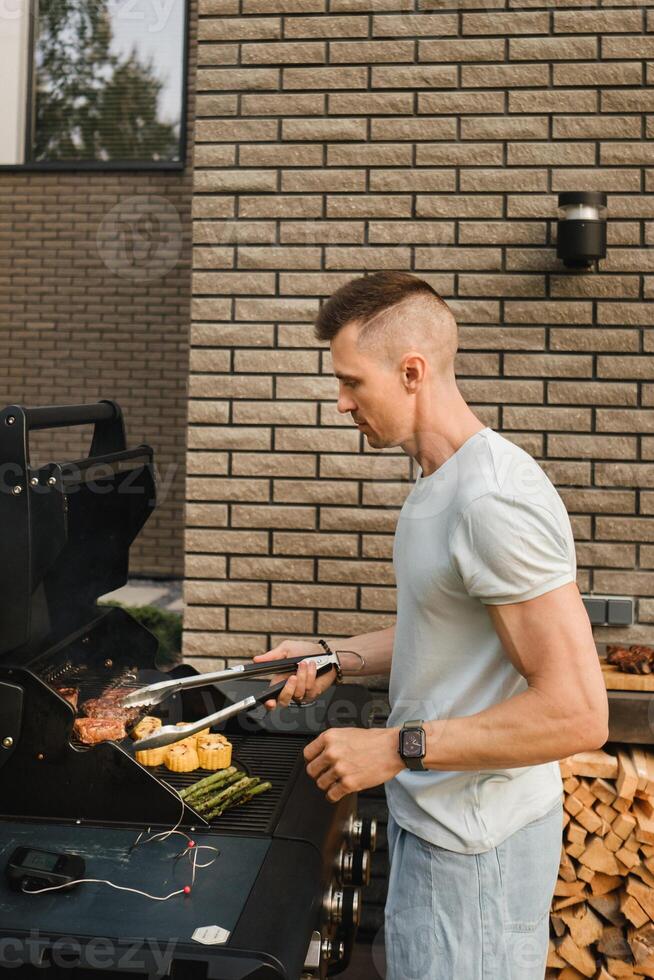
(67, 526)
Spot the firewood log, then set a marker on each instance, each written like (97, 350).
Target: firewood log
(603, 884)
(645, 828)
(623, 825)
(564, 903)
(633, 911)
(627, 781)
(613, 842)
(641, 941)
(567, 870)
(578, 957)
(608, 907)
(598, 858)
(614, 943)
(596, 763)
(585, 927)
(569, 973)
(575, 833)
(584, 794)
(603, 791)
(643, 895)
(619, 969)
(569, 887)
(590, 821)
(627, 857)
(602, 914)
(639, 760)
(553, 958)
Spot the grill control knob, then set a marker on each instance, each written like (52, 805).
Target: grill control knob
(333, 950)
(343, 906)
(362, 832)
(354, 867)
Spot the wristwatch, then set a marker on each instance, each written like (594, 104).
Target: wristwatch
(413, 745)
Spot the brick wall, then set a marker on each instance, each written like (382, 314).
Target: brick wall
(368, 134)
(74, 327)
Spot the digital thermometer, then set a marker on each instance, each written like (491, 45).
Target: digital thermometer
(31, 868)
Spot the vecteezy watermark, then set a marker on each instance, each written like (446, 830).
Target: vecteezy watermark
(98, 953)
(151, 16)
(140, 238)
(311, 717)
(97, 478)
(153, 13)
(13, 9)
(407, 945)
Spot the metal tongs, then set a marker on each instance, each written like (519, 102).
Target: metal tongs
(156, 693)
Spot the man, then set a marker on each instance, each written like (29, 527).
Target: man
(491, 656)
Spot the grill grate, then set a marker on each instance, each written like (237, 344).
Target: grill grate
(270, 756)
(93, 682)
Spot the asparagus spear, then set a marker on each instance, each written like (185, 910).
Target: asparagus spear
(207, 802)
(212, 791)
(242, 797)
(206, 783)
(230, 804)
(228, 796)
(261, 788)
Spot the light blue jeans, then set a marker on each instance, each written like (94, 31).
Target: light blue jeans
(452, 916)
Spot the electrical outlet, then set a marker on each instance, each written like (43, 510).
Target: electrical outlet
(609, 610)
(596, 609)
(620, 612)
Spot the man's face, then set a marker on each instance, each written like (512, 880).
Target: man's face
(370, 390)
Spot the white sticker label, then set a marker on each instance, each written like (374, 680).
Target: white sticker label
(211, 935)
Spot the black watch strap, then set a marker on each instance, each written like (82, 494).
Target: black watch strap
(412, 763)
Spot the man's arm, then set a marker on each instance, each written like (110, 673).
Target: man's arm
(375, 648)
(563, 710)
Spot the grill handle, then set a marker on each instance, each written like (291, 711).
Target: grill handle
(58, 416)
(106, 415)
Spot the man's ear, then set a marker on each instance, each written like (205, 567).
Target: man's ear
(413, 371)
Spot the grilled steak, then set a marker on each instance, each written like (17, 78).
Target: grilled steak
(94, 730)
(70, 694)
(109, 706)
(636, 659)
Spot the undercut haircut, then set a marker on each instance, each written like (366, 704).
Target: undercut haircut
(363, 299)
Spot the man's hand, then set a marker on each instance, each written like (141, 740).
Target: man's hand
(303, 684)
(346, 760)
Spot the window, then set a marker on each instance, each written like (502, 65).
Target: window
(95, 83)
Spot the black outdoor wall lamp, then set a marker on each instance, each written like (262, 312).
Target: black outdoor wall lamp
(581, 228)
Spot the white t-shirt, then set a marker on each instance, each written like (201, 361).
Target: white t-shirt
(486, 527)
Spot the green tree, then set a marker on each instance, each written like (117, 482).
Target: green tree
(91, 104)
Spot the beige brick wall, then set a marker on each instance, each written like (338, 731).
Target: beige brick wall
(73, 330)
(368, 134)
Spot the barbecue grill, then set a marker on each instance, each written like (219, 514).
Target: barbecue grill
(283, 895)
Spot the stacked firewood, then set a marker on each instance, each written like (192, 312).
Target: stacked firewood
(602, 915)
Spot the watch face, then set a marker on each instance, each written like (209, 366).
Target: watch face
(412, 744)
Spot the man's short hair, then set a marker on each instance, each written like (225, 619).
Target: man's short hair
(364, 298)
